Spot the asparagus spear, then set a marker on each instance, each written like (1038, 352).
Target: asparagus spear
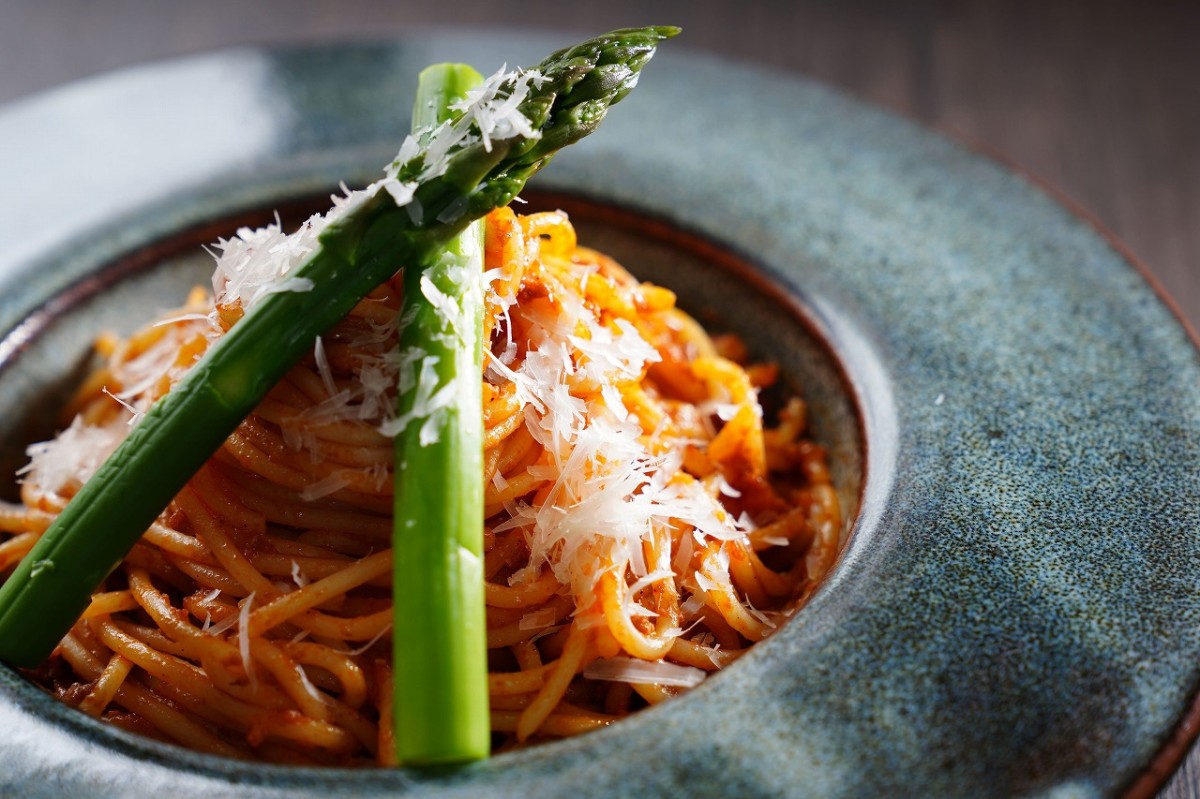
(430, 196)
(439, 633)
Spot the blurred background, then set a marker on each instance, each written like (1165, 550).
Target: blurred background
(1099, 100)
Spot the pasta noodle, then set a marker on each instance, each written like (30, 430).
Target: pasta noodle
(643, 528)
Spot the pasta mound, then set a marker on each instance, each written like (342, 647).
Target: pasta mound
(643, 528)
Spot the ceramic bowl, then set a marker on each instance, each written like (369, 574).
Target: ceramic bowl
(1014, 414)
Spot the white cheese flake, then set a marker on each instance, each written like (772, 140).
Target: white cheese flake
(134, 412)
(368, 644)
(330, 484)
(644, 672)
(298, 576)
(243, 619)
(323, 369)
(537, 619)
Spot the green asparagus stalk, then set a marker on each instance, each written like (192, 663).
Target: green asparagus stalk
(439, 632)
(364, 247)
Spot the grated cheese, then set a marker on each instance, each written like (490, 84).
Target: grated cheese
(298, 576)
(309, 688)
(243, 619)
(74, 456)
(255, 263)
(134, 412)
(608, 492)
(644, 672)
(185, 317)
(323, 367)
(368, 644)
(692, 606)
(327, 485)
(537, 619)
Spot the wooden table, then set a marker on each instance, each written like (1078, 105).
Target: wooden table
(1099, 99)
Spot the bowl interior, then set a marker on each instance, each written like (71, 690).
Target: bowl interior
(49, 352)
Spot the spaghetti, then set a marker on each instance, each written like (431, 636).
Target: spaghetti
(643, 528)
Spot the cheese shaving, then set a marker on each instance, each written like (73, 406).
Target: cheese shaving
(243, 619)
(538, 619)
(323, 367)
(644, 672)
(306, 683)
(134, 413)
(368, 644)
(298, 576)
(332, 484)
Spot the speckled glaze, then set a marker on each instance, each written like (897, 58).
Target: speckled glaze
(1018, 609)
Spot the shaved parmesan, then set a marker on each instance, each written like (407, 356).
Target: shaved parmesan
(537, 619)
(186, 317)
(73, 457)
(608, 492)
(134, 413)
(692, 606)
(298, 576)
(243, 618)
(323, 367)
(256, 263)
(328, 485)
(309, 688)
(644, 672)
(368, 644)
(725, 489)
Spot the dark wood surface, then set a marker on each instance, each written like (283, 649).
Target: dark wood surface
(1100, 100)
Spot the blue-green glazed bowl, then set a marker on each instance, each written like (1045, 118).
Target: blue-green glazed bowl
(1013, 412)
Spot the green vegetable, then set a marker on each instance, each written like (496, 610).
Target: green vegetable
(356, 253)
(439, 631)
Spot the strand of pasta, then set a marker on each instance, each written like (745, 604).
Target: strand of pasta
(166, 719)
(538, 711)
(106, 685)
